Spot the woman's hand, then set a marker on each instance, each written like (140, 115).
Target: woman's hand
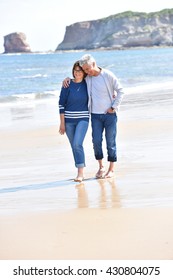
(62, 128)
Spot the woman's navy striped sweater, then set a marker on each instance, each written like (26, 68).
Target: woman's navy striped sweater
(73, 102)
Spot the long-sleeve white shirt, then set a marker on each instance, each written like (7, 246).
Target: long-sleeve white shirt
(114, 89)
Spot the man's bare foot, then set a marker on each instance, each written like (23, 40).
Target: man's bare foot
(109, 174)
(100, 173)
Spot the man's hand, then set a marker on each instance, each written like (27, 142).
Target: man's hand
(66, 82)
(111, 110)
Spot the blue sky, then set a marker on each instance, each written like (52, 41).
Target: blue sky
(44, 21)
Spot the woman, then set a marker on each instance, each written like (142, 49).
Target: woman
(74, 116)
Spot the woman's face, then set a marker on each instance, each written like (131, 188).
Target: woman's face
(78, 72)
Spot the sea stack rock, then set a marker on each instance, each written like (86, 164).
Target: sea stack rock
(16, 43)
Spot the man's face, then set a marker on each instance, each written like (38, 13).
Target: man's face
(88, 69)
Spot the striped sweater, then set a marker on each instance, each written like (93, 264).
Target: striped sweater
(73, 102)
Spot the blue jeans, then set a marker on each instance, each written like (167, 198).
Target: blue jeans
(107, 122)
(76, 133)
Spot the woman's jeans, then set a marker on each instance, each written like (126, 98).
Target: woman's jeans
(107, 122)
(76, 133)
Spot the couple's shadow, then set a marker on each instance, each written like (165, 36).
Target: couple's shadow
(107, 195)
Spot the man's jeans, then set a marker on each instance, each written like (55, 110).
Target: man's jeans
(76, 133)
(107, 122)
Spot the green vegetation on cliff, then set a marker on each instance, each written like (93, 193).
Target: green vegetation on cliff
(129, 14)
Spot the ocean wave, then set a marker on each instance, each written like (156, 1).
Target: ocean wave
(29, 96)
(150, 87)
(33, 76)
(137, 90)
(28, 69)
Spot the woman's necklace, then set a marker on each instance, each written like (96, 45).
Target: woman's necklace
(78, 89)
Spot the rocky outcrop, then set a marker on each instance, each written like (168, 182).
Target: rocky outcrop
(16, 43)
(124, 30)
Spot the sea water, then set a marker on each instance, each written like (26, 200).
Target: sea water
(40, 75)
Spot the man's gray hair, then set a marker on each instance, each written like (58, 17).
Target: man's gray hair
(86, 59)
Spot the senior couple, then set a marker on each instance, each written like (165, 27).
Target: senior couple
(97, 92)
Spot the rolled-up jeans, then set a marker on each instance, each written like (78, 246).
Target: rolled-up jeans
(107, 122)
(76, 133)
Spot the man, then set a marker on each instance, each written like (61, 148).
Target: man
(105, 95)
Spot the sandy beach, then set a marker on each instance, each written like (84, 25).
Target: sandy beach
(45, 215)
(120, 234)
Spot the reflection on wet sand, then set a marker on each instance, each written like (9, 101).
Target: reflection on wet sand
(108, 196)
(82, 201)
(111, 198)
(62, 195)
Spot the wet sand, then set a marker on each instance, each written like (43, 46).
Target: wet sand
(51, 217)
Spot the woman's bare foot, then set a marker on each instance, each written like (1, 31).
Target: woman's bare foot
(79, 179)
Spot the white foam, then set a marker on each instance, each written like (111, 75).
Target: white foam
(151, 87)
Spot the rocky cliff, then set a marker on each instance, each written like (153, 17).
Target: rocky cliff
(16, 43)
(124, 30)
